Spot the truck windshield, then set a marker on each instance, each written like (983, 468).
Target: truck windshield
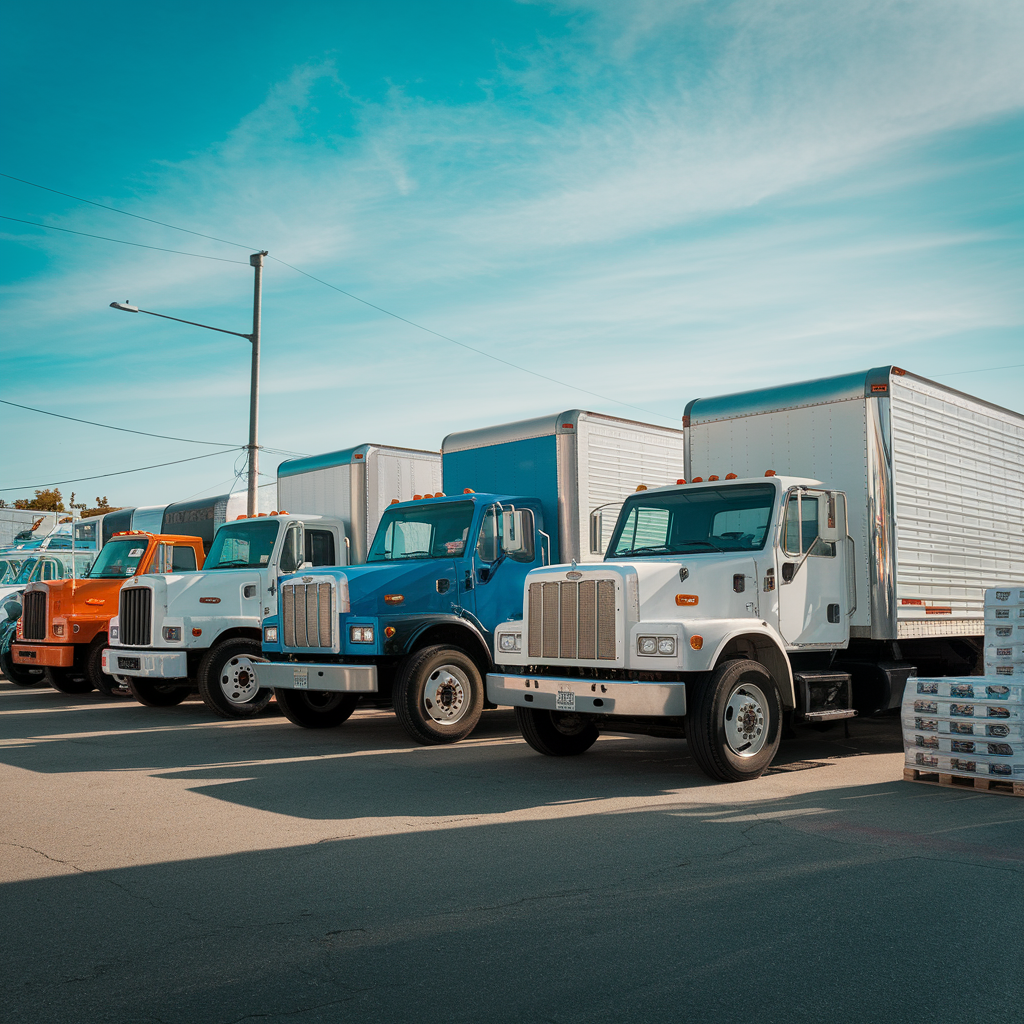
(25, 573)
(119, 559)
(695, 519)
(422, 531)
(245, 545)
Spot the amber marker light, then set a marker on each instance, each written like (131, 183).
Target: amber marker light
(769, 472)
(196, 631)
(389, 631)
(730, 476)
(680, 481)
(710, 478)
(697, 480)
(696, 641)
(686, 600)
(394, 598)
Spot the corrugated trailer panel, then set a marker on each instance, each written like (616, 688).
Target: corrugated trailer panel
(614, 457)
(391, 474)
(958, 471)
(826, 442)
(328, 491)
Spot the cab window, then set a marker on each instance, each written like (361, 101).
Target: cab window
(800, 528)
(320, 547)
(183, 559)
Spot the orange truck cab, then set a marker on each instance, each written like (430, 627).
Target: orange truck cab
(63, 625)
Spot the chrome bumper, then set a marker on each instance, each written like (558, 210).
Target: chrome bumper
(553, 693)
(123, 661)
(290, 675)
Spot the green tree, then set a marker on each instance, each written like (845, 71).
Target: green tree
(46, 500)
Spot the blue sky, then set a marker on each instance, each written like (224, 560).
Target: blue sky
(651, 201)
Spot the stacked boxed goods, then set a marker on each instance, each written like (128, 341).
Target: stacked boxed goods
(972, 727)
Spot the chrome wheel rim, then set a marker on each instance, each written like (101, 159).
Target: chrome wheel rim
(238, 682)
(746, 720)
(446, 694)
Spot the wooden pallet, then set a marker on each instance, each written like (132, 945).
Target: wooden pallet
(1006, 787)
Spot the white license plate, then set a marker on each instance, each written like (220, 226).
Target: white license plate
(565, 701)
(301, 678)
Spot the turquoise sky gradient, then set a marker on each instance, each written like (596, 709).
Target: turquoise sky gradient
(652, 201)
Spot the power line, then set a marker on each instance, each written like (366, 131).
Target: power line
(126, 430)
(120, 472)
(342, 291)
(121, 241)
(114, 209)
(983, 369)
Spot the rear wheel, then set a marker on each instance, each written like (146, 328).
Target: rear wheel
(159, 695)
(227, 682)
(20, 675)
(556, 733)
(316, 709)
(734, 722)
(68, 680)
(439, 695)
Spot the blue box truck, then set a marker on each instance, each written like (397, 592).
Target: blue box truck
(415, 624)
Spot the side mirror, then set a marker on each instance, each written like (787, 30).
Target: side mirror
(517, 530)
(828, 518)
(596, 533)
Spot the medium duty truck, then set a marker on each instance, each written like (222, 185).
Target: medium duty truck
(177, 632)
(63, 625)
(414, 625)
(829, 539)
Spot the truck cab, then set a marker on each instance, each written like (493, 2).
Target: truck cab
(177, 630)
(719, 603)
(63, 627)
(415, 623)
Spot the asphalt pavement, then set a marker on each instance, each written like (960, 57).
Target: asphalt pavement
(161, 865)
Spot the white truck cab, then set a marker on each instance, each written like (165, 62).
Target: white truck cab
(710, 594)
(176, 630)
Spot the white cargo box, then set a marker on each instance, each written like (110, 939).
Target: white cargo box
(957, 745)
(1003, 614)
(1004, 596)
(983, 767)
(1004, 670)
(969, 687)
(1003, 654)
(978, 710)
(1012, 732)
(1004, 633)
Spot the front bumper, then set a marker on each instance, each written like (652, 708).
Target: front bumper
(551, 693)
(330, 677)
(53, 655)
(124, 661)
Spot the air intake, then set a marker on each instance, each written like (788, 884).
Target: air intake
(135, 616)
(33, 615)
(307, 614)
(574, 621)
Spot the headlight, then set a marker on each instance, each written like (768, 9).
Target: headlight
(360, 634)
(113, 632)
(648, 645)
(270, 634)
(510, 642)
(171, 633)
(656, 645)
(58, 629)
(666, 645)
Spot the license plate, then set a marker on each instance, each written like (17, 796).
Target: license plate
(128, 663)
(301, 678)
(565, 701)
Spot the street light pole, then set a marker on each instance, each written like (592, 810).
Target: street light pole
(256, 262)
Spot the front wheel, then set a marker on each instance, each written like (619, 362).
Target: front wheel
(439, 695)
(227, 683)
(316, 709)
(734, 722)
(109, 686)
(556, 733)
(158, 695)
(68, 680)
(20, 675)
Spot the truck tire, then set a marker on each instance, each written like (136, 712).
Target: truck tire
(20, 675)
(159, 695)
(228, 687)
(109, 686)
(556, 733)
(316, 709)
(439, 695)
(734, 721)
(67, 680)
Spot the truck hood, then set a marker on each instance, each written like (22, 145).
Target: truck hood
(188, 594)
(87, 600)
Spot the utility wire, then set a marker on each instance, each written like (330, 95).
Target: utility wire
(105, 238)
(982, 369)
(114, 209)
(126, 430)
(120, 472)
(326, 284)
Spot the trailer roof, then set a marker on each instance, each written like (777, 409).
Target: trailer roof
(345, 457)
(822, 391)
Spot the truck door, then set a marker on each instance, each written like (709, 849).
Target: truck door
(497, 571)
(812, 575)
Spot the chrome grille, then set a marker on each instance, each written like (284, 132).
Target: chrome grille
(135, 616)
(572, 620)
(33, 615)
(307, 615)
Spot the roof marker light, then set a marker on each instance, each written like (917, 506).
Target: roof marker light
(680, 481)
(710, 478)
(769, 472)
(730, 476)
(440, 494)
(468, 490)
(395, 501)
(697, 480)
(417, 497)
(641, 487)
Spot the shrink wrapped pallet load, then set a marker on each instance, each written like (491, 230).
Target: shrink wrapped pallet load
(968, 727)
(1004, 632)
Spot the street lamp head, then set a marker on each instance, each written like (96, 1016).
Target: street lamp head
(125, 306)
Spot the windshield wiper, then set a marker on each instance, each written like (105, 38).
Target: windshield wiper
(661, 548)
(236, 563)
(706, 543)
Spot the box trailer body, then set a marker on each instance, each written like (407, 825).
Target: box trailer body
(832, 536)
(21, 526)
(355, 485)
(176, 631)
(415, 623)
(934, 481)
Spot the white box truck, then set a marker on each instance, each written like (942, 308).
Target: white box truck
(833, 537)
(175, 632)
